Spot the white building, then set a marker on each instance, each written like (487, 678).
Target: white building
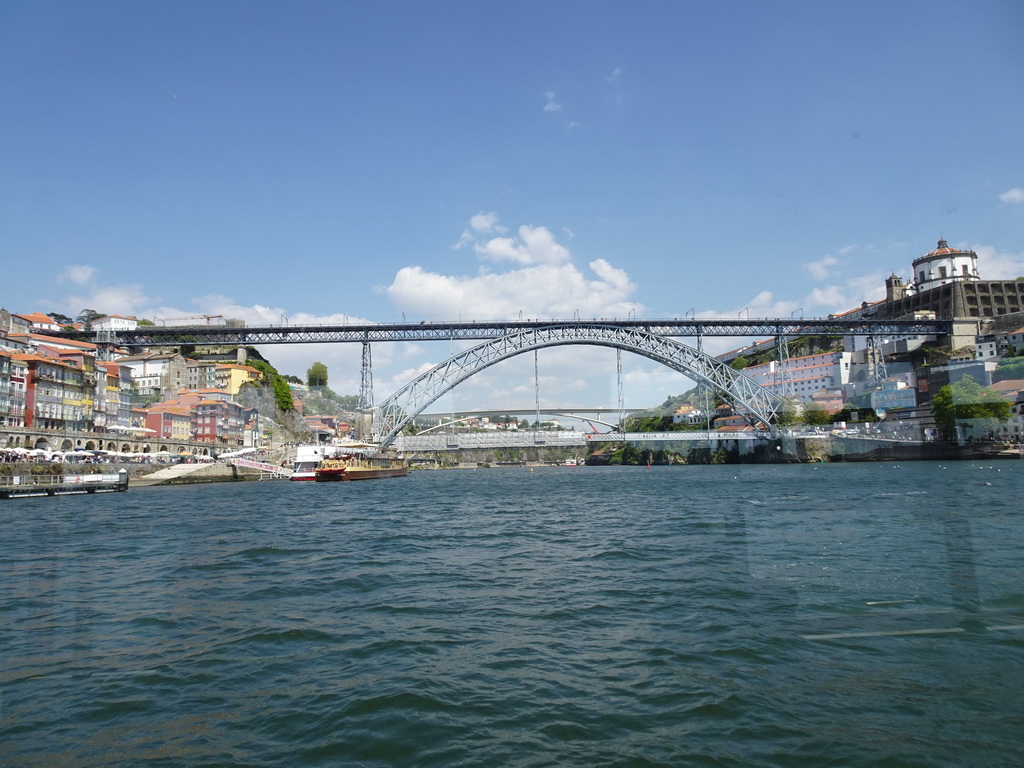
(688, 414)
(153, 374)
(115, 323)
(944, 265)
(801, 377)
(988, 346)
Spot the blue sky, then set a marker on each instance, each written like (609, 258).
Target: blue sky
(327, 161)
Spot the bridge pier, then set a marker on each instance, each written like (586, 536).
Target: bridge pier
(364, 424)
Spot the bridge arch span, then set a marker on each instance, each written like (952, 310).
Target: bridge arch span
(749, 399)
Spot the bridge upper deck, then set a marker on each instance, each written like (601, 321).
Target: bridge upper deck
(150, 336)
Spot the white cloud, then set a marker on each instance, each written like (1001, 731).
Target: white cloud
(80, 274)
(117, 299)
(547, 284)
(483, 224)
(819, 302)
(534, 245)
(614, 80)
(88, 292)
(821, 269)
(999, 265)
(486, 223)
(550, 104)
(1015, 195)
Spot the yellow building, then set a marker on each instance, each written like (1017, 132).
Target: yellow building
(230, 377)
(79, 389)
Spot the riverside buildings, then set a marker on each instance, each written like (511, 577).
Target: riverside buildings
(56, 394)
(898, 376)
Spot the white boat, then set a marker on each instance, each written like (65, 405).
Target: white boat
(308, 457)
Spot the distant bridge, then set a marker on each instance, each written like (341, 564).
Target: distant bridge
(154, 336)
(523, 439)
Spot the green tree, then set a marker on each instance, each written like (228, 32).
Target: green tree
(969, 405)
(86, 316)
(863, 414)
(316, 376)
(816, 416)
(268, 371)
(937, 355)
(274, 381)
(787, 417)
(739, 363)
(283, 394)
(59, 318)
(1009, 368)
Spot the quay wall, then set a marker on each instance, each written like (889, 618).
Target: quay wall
(785, 450)
(64, 440)
(833, 448)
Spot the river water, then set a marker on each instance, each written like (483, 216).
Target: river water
(808, 615)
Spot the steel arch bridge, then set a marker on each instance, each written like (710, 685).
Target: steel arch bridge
(753, 402)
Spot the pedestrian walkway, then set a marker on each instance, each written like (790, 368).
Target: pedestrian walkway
(168, 474)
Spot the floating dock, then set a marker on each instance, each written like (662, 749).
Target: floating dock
(62, 485)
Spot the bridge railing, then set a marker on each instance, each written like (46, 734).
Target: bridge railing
(488, 440)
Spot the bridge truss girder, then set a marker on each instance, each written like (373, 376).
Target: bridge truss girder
(755, 403)
(153, 336)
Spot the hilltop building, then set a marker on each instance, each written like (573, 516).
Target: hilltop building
(688, 414)
(947, 281)
(115, 323)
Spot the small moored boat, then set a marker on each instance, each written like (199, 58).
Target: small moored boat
(355, 466)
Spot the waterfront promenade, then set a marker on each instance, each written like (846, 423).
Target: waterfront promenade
(134, 441)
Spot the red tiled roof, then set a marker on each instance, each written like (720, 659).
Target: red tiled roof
(38, 317)
(53, 340)
(1008, 385)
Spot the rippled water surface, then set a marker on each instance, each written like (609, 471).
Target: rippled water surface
(730, 616)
